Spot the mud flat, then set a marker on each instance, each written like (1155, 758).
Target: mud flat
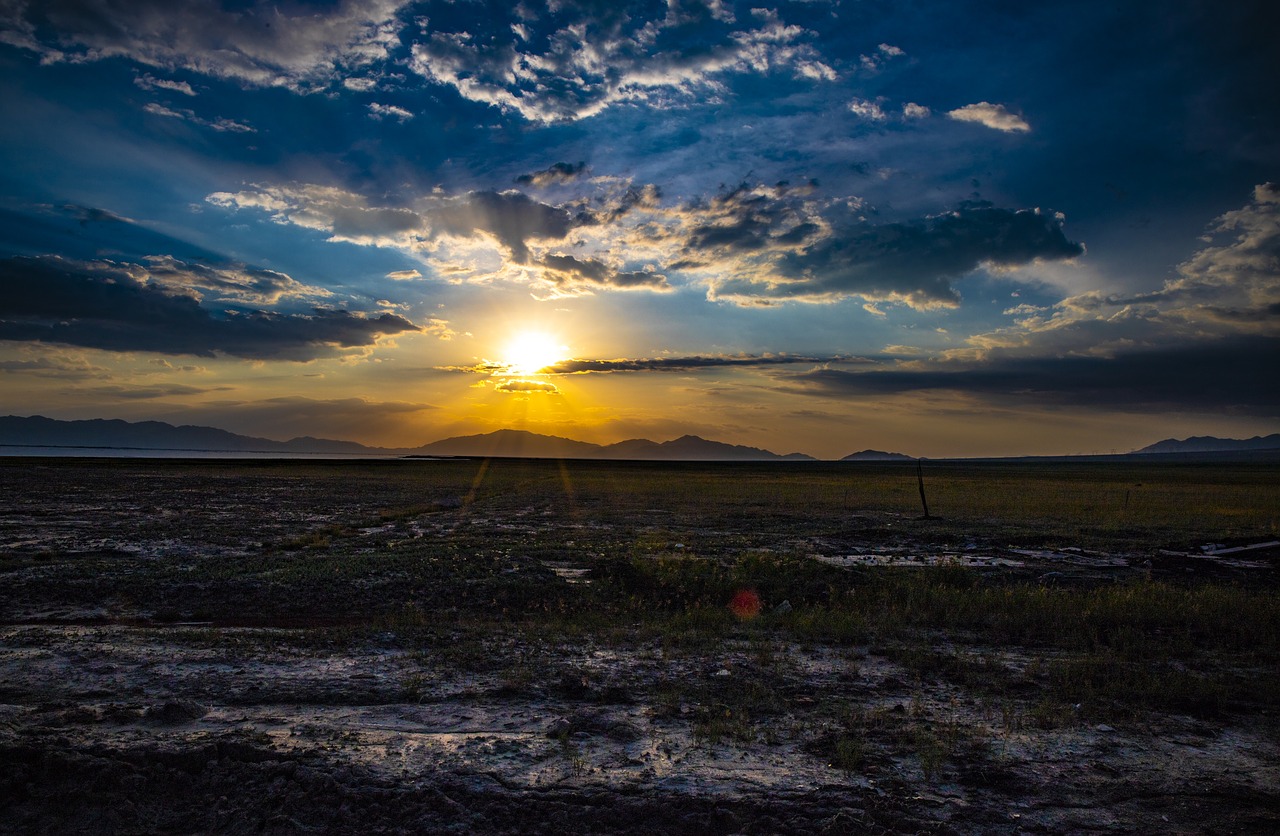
(531, 647)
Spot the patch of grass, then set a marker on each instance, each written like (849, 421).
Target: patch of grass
(849, 752)
(1109, 685)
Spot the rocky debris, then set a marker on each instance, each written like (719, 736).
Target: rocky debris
(174, 712)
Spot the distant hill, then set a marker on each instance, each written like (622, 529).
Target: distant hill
(38, 431)
(1210, 444)
(512, 444)
(877, 456)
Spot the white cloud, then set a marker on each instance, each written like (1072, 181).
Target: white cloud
(884, 53)
(911, 110)
(380, 111)
(994, 116)
(867, 109)
(150, 82)
(160, 110)
(220, 124)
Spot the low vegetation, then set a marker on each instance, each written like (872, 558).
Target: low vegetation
(727, 605)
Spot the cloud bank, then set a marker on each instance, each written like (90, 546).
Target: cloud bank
(123, 307)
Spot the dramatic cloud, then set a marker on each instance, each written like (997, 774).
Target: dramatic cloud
(747, 219)
(751, 245)
(1204, 342)
(994, 116)
(908, 262)
(510, 217)
(260, 43)
(592, 56)
(107, 305)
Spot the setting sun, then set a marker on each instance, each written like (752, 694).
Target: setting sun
(532, 351)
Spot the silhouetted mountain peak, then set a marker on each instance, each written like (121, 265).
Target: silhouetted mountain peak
(1212, 444)
(877, 456)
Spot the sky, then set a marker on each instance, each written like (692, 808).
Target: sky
(938, 228)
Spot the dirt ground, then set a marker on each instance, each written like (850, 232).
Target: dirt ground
(249, 648)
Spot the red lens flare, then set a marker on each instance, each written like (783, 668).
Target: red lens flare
(745, 604)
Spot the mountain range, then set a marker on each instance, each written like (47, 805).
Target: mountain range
(38, 431)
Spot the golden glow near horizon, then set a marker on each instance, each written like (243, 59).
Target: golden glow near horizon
(528, 352)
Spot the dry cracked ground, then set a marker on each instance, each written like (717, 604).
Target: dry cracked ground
(509, 647)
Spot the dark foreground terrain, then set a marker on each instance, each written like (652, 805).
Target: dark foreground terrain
(524, 647)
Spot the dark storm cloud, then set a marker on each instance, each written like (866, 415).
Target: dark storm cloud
(1228, 376)
(749, 218)
(510, 217)
(554, 174)
(567, 270)
(913, 261)
(684, 364)
(105, 305)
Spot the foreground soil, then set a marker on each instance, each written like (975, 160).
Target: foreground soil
(532, 647)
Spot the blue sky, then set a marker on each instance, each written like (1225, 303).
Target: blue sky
(941, 228)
